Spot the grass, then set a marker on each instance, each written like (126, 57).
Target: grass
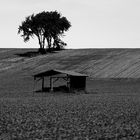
(70, 117)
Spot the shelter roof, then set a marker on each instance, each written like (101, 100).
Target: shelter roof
(56, 71)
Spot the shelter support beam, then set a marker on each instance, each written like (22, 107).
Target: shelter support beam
(51, 83)
(42, 83)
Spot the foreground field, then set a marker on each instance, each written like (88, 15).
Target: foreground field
(70, 116)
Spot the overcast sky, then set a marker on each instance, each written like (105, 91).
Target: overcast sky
(95, 23)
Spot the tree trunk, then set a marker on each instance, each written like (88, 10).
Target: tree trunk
(49, 42)
(43, 42)
(40, 44)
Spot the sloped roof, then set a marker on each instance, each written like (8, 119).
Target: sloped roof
(56, 71)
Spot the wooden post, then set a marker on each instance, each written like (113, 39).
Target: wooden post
(42, 83)
(68, 83)
(34, 86)
(51, 83)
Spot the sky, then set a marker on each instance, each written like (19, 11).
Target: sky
(95, 23)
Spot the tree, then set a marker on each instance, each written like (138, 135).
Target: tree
(48, 27)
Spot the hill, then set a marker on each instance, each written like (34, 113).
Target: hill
(18, 65)
(98, 63)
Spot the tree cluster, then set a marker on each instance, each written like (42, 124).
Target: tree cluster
(48, 27)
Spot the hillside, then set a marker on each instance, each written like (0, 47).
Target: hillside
(17, 67)
(97, 63)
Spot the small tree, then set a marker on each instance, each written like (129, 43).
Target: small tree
(48, 27)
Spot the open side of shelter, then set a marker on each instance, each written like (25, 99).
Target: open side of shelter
(73, 80)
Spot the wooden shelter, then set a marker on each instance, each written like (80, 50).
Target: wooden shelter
(74, 80)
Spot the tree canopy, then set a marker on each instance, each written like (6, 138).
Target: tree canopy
(48, 27)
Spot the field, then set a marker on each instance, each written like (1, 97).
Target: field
(110, 110)
(81, 116)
